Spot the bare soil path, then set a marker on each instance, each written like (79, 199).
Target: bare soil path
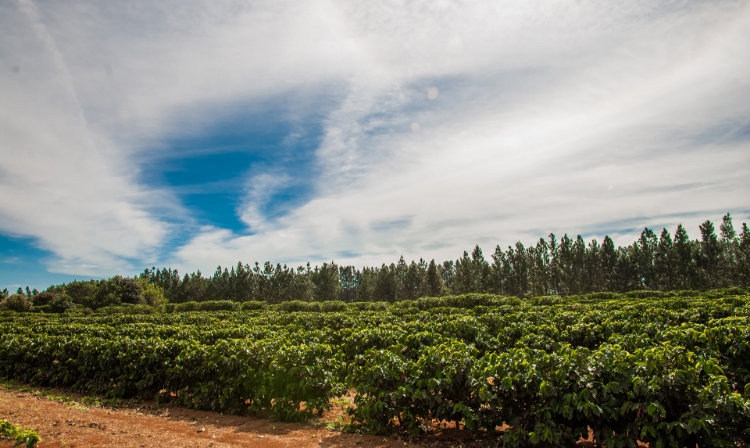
(66, 422)
(71, 424)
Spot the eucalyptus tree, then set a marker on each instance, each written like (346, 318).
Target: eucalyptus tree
(434, 286)
(708, 259)
(665, 262)
(743, 257)
(684, 254)
(729, 247)
(326, 282)
(647, 243)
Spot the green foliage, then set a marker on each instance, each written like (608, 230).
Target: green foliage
(16, 302)
(20, 436)
(60, 303)
(552, 267)
(151, 294)
(81, 292)
(127, 309)
(369, 306)
(42, 309)
(43, 298)
(332, 306)
(671, 369)
(298, 305)
(115, 291)
(253, 305)
(326, 282)
(210, 305)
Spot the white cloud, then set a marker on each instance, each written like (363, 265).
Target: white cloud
(586, 130)
(60, 182)
(551, 116)
(259, 192)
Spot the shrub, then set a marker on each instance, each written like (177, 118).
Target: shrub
(21, 436)
(127, 309)
(545, 300)
(60, 303)
(645, 294)
(42, 309)
(81, 292)
(17, 302)
(368, 306)
(211, 305)
(117, 290)
(78, 310)
(152, 294)
(298, 305)
(332, 306)
(187, 306)
(218, 305)
(43, 298)
(253, 305)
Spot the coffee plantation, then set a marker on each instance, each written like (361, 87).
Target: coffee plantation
(669, 368)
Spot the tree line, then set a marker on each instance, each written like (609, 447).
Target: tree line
(552, 266)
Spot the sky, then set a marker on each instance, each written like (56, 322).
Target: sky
(192, 133)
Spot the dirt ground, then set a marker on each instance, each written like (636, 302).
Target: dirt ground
(72, 424)
(65, 421)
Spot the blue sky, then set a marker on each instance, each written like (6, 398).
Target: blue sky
(197, 133)
(208, 167)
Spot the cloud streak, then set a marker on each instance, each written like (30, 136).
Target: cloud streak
(550, 116)
(60, 182)
(583, 128)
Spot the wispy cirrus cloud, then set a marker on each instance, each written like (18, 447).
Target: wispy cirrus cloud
(426, 127)
(548, 115)
(62, 184)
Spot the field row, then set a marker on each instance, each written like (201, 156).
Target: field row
(671, 370)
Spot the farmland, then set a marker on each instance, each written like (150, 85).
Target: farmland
(660, 367)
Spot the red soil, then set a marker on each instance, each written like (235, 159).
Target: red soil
(71, 424)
